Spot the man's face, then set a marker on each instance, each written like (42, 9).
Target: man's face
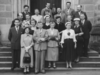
(36, 12)
(26, 8)
(79, 8)
(48, 5)
(20, 16)
(17, 23)
(58, 10)
(82, 16)
(68, 5)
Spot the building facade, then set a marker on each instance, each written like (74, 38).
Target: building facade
(10, 8)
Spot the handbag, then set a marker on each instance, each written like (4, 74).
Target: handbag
(26, 58)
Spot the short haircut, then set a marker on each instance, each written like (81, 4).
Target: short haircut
(26, 6)
(16, 19)
(58, 17)
(68, 2)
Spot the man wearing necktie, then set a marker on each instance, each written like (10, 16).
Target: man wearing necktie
(79, 12)
(14, 37)
(86, 27)
(69, 10)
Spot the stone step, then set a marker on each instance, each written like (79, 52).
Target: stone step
(5, 64)
(89, 59)
(61, 64)
(6, 54)
(80, 64)
(5, 59)
(5, 49)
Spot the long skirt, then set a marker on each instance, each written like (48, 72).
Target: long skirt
(68, 50)
(22, 65)
(52, 54)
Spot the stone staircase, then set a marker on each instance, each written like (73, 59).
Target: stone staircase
(92, 62)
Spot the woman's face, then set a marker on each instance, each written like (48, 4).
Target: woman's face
(76, 22)
(33, 23)
(27, 17)
(27, 30)
(68, 26)
(69, 18)
(47, 19)
(40, 25)
(52, 25)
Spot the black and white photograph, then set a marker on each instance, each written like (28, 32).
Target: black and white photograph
(49, 37)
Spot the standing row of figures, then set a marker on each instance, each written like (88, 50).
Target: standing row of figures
(49, 37)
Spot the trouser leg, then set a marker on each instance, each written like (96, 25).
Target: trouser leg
(42, 60)
(37, 60)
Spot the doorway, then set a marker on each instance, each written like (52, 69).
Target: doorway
(40, 4)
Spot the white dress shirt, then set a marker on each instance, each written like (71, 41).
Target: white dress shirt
(66, 36)
(37, 17)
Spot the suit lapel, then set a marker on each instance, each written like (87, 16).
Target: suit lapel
(15, 30)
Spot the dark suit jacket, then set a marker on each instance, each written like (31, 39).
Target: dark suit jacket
(24, 15)
(71, 12)
(86, 27)
(14, 37)
(78, 16)
(60, 27)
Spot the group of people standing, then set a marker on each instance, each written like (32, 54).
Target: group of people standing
(51, 36)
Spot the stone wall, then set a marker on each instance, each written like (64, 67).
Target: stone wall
(92, 8)
(5, 19)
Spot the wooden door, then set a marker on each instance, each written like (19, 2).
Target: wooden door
(40, 4)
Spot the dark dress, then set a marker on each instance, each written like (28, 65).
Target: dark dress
(60, 27)
(79, 48)
(46, 26)
(68, 38)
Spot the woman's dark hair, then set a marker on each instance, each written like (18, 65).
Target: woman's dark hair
(26, 6)
(34, 20)
(26, 28)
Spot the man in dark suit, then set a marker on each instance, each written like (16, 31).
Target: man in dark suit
(59, 25)
(20, 17)
(79, 12)
(26, 11)
(14, 37)
(86, 27)
(48, 5)
(68, 10)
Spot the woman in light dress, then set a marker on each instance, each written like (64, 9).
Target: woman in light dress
(26, 46)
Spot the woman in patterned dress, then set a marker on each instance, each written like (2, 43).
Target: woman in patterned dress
(52, 51)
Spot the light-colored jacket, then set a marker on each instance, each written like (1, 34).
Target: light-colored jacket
(40, 45)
